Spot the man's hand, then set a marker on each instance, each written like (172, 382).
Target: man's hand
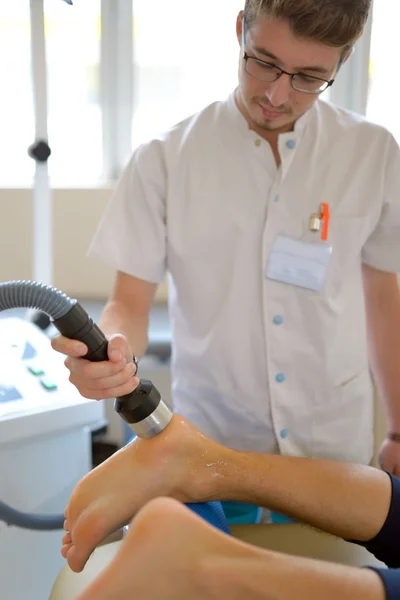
(99, 380)
(109, 496)
(389, 457)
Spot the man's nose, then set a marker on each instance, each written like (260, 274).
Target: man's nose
(278, 92)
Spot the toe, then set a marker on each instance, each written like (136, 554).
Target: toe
(66, 539)
(65, 549)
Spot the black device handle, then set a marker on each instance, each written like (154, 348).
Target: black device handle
(77, 325)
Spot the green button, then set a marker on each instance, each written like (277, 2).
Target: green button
(36, 370)
(48, 384)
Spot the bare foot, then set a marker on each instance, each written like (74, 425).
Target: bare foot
(174, 463)
(162, 557)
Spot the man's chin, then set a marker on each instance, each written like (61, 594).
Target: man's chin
(274, 124)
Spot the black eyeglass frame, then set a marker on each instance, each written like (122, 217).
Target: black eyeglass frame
(281, 72)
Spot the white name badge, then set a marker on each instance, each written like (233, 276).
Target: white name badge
(299, 263)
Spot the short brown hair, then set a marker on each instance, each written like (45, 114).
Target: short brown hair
(336, 23)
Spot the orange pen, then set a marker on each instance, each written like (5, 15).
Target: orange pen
(325, 216)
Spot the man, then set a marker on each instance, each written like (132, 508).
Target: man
(277, 217)
(172, 554)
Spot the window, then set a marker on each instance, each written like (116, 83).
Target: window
(16, 108)
(383, 104)
(74, 121)
(73, 66)
(184, 59)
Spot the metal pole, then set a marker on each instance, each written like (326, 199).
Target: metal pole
(40, 151)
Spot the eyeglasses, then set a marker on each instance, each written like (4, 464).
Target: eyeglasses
(301, 83)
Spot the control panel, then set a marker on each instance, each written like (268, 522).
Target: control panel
(34, 379)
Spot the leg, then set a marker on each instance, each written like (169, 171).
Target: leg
(172, 554)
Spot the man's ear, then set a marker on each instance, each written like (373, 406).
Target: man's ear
(345, 58)
(239, 27)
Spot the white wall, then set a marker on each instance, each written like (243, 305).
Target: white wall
(76, 216)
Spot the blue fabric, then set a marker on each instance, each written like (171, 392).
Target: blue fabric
(211, 512)
(240, 513)
(278, 518)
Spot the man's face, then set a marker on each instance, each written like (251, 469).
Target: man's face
(275, 106)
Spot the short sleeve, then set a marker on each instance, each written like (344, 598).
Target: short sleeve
(382, 249)
(131, 236)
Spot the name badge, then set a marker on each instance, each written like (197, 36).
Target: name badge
(304, 264)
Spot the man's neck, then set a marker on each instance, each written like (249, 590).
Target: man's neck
(269, 136)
